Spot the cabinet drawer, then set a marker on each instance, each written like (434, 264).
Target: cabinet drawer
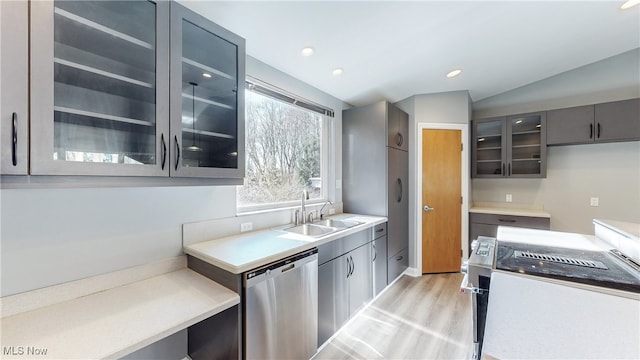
(379, 231)
(397, 264)
(510, 220)
(343, 245)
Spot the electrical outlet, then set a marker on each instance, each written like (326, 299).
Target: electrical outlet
(595, 201)
(246, 227)
(509, 198)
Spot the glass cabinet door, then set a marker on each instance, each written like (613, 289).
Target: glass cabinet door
(489, 152)
(207, 97)
(527, 139)
(14, 87)
(101, 89)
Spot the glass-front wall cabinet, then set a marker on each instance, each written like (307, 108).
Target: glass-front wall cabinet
(513, 146)
(490, 146)
(99, 87)
(527, 145)
(207, 64)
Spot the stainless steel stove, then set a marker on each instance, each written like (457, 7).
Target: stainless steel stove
(476, 283)
(600, 269)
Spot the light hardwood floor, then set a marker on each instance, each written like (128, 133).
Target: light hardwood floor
(416, 318)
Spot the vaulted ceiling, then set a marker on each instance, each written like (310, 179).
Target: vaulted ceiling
(395, 49)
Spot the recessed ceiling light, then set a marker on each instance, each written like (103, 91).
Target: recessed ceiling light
(337, 72)
(307, 51)
(454, 73)
(629, 4)
(207, 75)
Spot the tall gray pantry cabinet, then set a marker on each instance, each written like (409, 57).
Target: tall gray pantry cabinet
(375, 171)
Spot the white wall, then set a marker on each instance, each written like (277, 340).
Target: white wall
(449, 107)
(575, 173)
(51, 236)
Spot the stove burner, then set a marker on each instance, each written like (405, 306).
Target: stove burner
(560, 259)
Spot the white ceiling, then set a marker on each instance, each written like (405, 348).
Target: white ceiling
(395, 49)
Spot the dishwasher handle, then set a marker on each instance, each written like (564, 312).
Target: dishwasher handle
(279, 268)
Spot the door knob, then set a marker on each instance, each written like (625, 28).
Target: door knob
(428, 208)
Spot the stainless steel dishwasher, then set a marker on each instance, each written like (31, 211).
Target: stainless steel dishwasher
(281, 308)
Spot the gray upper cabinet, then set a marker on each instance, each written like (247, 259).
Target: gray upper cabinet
(398, 128)
(99, 88)
(570, 126)
(605, 122)
(489, 147)
(513, 146)
(618, 121)
(207, 98)
(109, 97)
(14, 117)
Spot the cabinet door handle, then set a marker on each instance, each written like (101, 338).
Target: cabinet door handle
(590, 131)
(598, 131)
(399, 258)
(507, 220)
(380, 230)
(348, 267)
(503, 173)
(509, 171)
(399, 139)
(353, 266)
(375, 252)
(164, 151)
(14, 142)
(177, 152)
(399, 190)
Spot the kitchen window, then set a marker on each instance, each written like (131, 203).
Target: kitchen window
(286, 149)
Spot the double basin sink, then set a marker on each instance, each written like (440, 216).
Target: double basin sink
(322, 227)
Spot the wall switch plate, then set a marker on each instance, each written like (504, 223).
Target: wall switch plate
(595, 201)
(246, 227)
(509, 198)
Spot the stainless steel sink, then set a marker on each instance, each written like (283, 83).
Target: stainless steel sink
(341, 224)
(313, 230)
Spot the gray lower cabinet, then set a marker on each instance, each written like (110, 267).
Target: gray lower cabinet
(351, 271)
(397, 264)
(344, 287)
(481, 224)
(379, 259)
(605, 122)
(333, 297)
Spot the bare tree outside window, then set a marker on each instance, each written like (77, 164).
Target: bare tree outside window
(283, 152)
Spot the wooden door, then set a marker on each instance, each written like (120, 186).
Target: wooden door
(441, 200)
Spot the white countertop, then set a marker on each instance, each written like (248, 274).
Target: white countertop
(628, 229)
(529, 318)
(246, 251)
(117, 321)
(487, 209)
(551, 238)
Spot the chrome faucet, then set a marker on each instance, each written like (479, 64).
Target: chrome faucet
(303, 211)
(322, 208)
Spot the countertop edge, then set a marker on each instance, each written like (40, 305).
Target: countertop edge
(623, 228)
(509, 211)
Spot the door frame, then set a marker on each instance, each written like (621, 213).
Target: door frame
(465, 187)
